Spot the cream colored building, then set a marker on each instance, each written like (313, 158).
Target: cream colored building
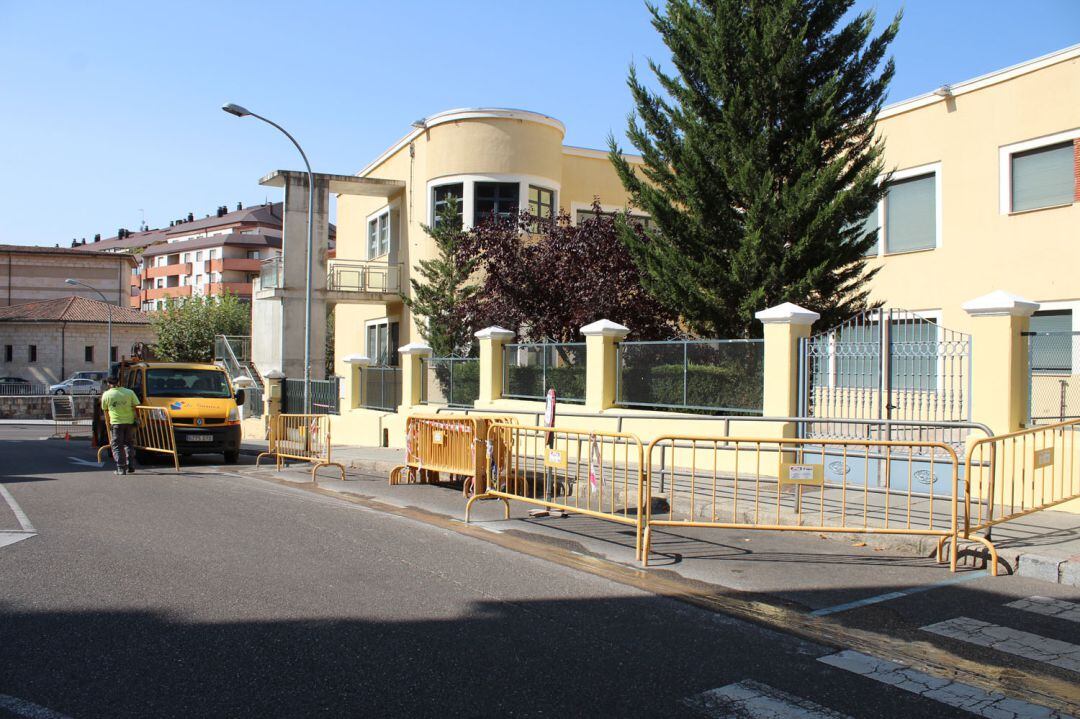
(493, 160)
(985, 192)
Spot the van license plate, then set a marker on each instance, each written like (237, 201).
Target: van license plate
(200, 438)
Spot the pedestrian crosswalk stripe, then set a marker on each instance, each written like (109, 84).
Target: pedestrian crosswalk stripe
(1057, 608)
(955, 694)
(754, 700)
(1011, 641)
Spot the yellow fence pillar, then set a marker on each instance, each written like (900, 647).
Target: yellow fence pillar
(412, 373)
(785, 325)
(999, 360)
(492, 340)
(601, 358)
(354, 383)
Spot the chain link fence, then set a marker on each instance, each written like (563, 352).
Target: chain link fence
(452, 381)
(530, 370)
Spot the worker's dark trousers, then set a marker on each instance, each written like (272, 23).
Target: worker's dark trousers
(122, 451)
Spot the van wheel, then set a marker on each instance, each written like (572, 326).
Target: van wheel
(232, 457)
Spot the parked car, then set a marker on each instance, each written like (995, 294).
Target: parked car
(15, 386)
(75, 386)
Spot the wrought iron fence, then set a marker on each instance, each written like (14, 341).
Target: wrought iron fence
(1054, 359)
(693, 375)
(271, 274)
(453, 381)
(353, 276)
(381, 388)
(529, 370)
(324, 396)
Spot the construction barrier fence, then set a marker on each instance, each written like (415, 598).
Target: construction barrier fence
(597, 474)
(450, 445)
(1015, 474)
(301, 437)
(809, 485)
(153, 433)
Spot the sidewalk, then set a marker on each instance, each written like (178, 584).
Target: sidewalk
(1044, 545)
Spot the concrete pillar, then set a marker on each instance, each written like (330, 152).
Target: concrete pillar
(492, 340)
(601, 370)
(999, 360)
(354, 382)
(412, 375)
(272, 393)
(785, 325)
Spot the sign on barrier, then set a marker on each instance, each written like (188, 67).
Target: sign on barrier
(153, 433)
(445, 444)
(598, 474)
(801, 485)
(301, 437)
(1012, 475)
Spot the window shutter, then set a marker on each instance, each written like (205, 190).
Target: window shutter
(911, 214)
(1043, 177)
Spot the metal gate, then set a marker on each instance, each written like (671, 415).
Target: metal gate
(1054, 380)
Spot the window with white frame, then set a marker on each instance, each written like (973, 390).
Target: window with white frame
(198, 256)
(382, 342)
(186, 257)
(911, 214)
(1043, 177)
(379, 235)
(253, 254)
(442, 196)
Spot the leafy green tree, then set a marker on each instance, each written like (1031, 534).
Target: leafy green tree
(761, 164)
(186, 327)
(443, 287)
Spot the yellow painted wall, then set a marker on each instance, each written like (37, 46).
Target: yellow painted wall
(1033, 254)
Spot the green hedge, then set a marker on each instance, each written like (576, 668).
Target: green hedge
(466, 382)
(730, 385)
(568, 381)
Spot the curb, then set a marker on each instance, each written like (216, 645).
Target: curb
(1048, 569)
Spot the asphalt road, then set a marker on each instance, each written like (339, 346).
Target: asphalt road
(213, 594)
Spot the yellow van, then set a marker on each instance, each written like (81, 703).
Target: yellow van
(201, 400)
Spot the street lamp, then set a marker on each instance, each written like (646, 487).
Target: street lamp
(108, 310)
(239, 111)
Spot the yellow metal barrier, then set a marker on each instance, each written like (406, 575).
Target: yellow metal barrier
(808, 485)
(303, 437)
(445, 443)
(597, 474)
(1011, 475)
(153, 433)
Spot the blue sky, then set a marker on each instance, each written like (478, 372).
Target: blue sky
(110, 108)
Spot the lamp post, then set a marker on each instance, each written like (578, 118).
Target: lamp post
(108, 310)
(239, 111)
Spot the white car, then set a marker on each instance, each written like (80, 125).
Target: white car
(75, 386)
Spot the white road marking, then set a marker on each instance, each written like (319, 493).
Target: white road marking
(20, 515)
(888, 597)
(8, 538)
(753, 700)
(23, 708)
(86, 462)
(956, 694)
(1011, 641)
(1057, 608)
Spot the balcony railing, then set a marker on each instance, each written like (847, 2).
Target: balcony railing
(356, 276)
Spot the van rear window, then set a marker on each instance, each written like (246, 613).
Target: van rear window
(186, 383)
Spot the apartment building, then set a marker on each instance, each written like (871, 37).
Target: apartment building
(218, 253)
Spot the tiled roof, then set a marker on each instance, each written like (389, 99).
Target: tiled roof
(72, 309)
(268, 214)
(33, 249)
(261, 239)
(133, 241)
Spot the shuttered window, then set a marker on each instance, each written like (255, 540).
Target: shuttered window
(911, 214)
(1043, 177)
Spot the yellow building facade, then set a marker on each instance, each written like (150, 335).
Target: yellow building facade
(493, 160)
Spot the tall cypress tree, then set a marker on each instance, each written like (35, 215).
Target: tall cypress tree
(761, 164)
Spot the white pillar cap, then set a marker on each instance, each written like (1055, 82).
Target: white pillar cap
(787, 314)
(605, 328)
(415, 348)
(362, 360)
(274, 374)
(494, 333)
(1000, 303)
